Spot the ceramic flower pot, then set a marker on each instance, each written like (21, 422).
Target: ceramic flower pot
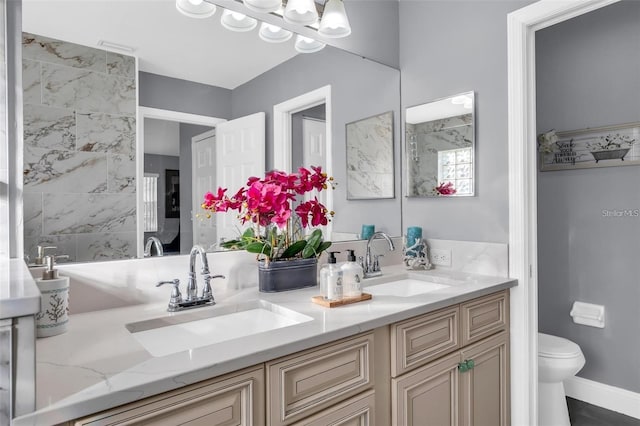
(283, 275)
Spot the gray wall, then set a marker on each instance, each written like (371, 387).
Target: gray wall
(588, 75)
(359, 88)
(449, 47)
(374, 35)
(158, 91)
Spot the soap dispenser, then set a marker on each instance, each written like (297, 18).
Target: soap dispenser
(53, 317)
(331, 279)
(351, 276)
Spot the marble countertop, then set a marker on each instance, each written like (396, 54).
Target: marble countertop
(19, 295)
(98, 364)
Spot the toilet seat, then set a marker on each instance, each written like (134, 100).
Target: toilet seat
(557, 347)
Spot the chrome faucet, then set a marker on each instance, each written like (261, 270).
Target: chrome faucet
(370, 264)
(153, 241)
(192, 300)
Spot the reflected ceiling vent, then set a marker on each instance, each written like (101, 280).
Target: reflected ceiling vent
(116, 46)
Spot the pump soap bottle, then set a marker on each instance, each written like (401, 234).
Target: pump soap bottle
(53, 317)
(351, 276)
(331, 279)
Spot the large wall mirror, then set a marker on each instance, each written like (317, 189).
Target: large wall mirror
(71, 142)
(439, 147)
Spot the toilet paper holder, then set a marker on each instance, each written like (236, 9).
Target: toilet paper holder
(588, 314)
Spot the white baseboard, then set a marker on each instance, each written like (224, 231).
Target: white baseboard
(605, 396)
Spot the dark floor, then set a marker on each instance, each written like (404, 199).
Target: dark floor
(583, 414)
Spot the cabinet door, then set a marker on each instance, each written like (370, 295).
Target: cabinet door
(484, 388)
(427, 396)
(356, 411)
(302, 384)
(233, 400)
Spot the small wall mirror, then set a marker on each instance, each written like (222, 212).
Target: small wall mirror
(439, 144)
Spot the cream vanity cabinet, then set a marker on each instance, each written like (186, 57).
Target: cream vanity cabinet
(451, 367)
(448, 367)
(233, 399)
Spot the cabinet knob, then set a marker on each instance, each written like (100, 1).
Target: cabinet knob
(462, 366)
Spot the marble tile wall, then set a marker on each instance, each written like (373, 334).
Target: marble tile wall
(370, 158)
(79, 149)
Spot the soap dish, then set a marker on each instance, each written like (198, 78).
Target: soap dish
(335, 303)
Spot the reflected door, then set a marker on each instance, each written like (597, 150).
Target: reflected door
(203, 148)
(314, 153)
(240, 152)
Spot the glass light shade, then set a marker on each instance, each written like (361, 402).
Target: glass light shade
(236, 21)
(459, 100)
(274, 34)
(301, 12)
(195, 8)
(263, 6)
(335, 22)
(308, 45)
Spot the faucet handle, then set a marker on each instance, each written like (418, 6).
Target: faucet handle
(376, 263)
(206, 290)
(176, 297)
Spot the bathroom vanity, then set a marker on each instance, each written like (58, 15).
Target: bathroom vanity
(443, 351)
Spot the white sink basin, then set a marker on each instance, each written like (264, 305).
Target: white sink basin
(403, 288)
(177, 333)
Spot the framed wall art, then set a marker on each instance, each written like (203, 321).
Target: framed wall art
(370, 158)
(608, 146)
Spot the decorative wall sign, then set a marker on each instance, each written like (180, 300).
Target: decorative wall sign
(595, 147)
(370, 158)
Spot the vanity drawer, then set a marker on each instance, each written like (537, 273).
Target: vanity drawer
(356, 411)
(484, 316)
(236, 398)
(304, 383)
(419, 340)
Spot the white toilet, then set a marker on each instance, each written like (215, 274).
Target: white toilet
(558, 359)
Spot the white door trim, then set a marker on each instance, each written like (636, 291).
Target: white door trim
(521, 27)
(159, 114)
(282, 113)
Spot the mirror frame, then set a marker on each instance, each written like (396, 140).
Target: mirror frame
(405, 148)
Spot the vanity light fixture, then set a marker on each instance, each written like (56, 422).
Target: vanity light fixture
(195, 8)
(236, 21)
(308, 45)
(263, 6)
(273, 33)
(301, 12)
(468, 104)
(334, 23)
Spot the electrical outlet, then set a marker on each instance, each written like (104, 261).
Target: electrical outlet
(441, 257)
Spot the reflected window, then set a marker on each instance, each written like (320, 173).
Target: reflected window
(150, 202)
(455, 166)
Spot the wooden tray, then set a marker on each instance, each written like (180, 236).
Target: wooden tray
(335, 303)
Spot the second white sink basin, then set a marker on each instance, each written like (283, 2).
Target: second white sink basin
(177, 333)
(403, 288)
